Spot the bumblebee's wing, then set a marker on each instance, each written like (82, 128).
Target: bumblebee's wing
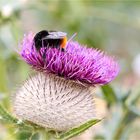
(55, 35)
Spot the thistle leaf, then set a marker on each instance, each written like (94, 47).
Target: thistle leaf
(6, 117)
(78, 130)
(109, 94)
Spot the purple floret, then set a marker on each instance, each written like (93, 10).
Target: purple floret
(78, 62)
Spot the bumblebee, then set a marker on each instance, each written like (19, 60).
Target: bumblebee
(54, 39)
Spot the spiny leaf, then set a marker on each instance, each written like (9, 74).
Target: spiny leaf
(78, 130)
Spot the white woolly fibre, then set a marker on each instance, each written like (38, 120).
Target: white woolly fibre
(53, 102)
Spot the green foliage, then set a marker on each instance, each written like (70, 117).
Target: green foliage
(109, 94)
(28, 131)
(6, 117)
(78, 130)
(110, 25)
(122, 117)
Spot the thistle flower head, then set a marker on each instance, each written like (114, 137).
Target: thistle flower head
(77, 63)
(53, 102)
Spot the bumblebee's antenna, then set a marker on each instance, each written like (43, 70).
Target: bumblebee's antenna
(72, 37)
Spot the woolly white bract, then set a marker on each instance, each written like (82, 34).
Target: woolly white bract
(53, 102)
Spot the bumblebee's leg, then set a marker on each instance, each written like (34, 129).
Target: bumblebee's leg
(44, 53)
(62, 49)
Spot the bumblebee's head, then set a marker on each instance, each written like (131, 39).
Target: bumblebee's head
(38, 38)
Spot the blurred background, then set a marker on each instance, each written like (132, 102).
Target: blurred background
(110, 25)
